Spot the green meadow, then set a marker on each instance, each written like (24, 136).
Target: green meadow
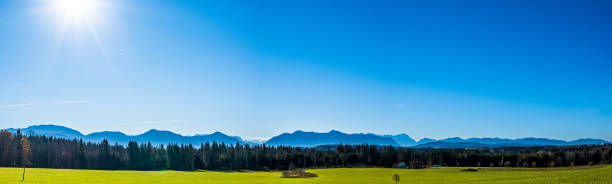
(593, 174)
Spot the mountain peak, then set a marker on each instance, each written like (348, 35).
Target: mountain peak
(335, 132)
(156, 131)
(453, 139)
(425, 140)
(160, 134)
(106, 133)
(402, 139)
(218, 134)
(47, 126)
(51, 127)
(51, 130)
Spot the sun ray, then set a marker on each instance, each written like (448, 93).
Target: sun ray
(100, 45)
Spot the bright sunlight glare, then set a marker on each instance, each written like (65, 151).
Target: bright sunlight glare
(77, 15)
(75, 9)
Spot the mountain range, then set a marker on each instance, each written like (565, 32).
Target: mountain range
(297, 139)
(154, 136)
(311, 139)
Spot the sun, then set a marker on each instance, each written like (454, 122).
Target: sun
(70, 18)
(75, 8)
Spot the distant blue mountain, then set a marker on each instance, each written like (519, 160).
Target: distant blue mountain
(156, 137)
(442, 144)
(425, 140)
(50, 130)
(456, 142)
(453, 139)
(403, 140)
(298, 139)
(312, 139)
(113, 137)
(587, 141)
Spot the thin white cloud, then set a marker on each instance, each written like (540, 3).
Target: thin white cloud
(74, 101)
(56, 102)
(16, 105)
(257, 139)
(153, 122)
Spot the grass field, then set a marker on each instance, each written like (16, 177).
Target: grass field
(595, 174)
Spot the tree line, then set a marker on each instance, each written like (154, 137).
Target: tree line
(48, 152)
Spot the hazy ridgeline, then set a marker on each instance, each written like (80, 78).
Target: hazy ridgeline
(48, 152)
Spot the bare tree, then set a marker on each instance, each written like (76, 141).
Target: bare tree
(25, 155)
(396, 178)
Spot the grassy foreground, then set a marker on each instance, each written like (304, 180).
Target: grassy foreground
(596, 174)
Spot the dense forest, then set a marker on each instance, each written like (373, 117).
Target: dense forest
(48, 152)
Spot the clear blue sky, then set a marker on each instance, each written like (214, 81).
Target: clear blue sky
(260, 68)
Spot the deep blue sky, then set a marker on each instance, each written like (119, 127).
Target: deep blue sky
(260, 68)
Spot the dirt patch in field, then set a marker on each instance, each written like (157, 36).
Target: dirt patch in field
(298, 174)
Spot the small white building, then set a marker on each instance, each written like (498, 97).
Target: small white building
(399, 165)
